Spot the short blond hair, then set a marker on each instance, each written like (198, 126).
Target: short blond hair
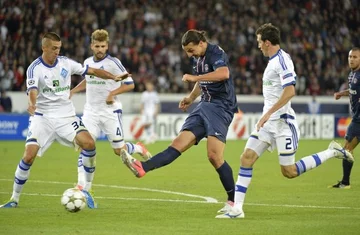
(100, 35)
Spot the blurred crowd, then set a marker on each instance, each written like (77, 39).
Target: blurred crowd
(146, 36)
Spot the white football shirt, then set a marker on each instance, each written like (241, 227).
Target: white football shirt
(97, 89)
(53, 84)
(149, 101)
(278, 74)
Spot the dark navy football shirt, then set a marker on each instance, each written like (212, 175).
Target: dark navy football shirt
(221, 92)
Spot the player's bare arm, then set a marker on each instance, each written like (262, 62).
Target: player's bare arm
(338, 95)
(122, 89)
(32, 101)
(80, 87)
(100, 73)
(188, 100)
(285, 97)
(219, 74)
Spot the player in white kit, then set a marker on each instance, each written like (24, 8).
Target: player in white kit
(277, 128)
(150, 107)
(53, 114)
(103, 109)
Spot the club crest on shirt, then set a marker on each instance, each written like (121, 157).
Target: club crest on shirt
(63, 73)
(206, 68)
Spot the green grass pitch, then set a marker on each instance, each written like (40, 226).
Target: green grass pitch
(181, 198)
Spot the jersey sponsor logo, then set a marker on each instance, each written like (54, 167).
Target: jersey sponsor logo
(63, 73)
(94, 82)
(56, 83)
(31, 82)
(56, 90)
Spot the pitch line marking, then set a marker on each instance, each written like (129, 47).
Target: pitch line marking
(207, 199)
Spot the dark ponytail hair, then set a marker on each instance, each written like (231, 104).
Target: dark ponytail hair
(194, 36)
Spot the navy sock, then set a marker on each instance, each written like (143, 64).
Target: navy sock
(161, 159)
(227, 180)
(347, 166)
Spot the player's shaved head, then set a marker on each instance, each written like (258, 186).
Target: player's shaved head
(100, 35)
(51, 36)
(193, 36)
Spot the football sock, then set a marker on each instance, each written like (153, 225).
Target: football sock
(242, 184)
(310, 162)
(227, 180)
(81, 172)
(133, 148)
(88, 160)
(21, 176)
(347, 166)
(161, 159)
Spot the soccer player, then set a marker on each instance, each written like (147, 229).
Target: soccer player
(352, 136)
(150, 107)
(53, 114)
(210, 118)
(103, 109)
(277, 128)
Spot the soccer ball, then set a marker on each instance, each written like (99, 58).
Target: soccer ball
(73, 200)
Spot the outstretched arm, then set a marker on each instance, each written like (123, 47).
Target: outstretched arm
(106, 75)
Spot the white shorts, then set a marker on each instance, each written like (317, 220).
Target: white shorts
(43, 131)
(282, 134)
(110, 124)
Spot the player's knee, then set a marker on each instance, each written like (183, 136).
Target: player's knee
(215, 159)
(248, 158)
(89, 144)
(30, 153)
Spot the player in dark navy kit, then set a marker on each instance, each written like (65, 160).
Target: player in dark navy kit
(352, 136)
(211, 117)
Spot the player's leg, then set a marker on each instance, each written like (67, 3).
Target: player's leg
(215, 151)
(351, 141)
(181, 143)
(112, 126)
(256, 145)
(72, 132)
(287, 142)
(91, 122)
(191, 133)
(40, 137)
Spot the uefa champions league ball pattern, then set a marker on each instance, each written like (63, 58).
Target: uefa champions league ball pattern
(73, 200)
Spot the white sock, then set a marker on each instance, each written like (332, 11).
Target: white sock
(88, 160)
(133, 148)
(22, 174)
(309, 162)
(241, 186)
(81, 172)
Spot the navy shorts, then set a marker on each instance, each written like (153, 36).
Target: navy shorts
(353, 130)
(208, 119)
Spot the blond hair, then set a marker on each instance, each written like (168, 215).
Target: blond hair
(100, 35)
